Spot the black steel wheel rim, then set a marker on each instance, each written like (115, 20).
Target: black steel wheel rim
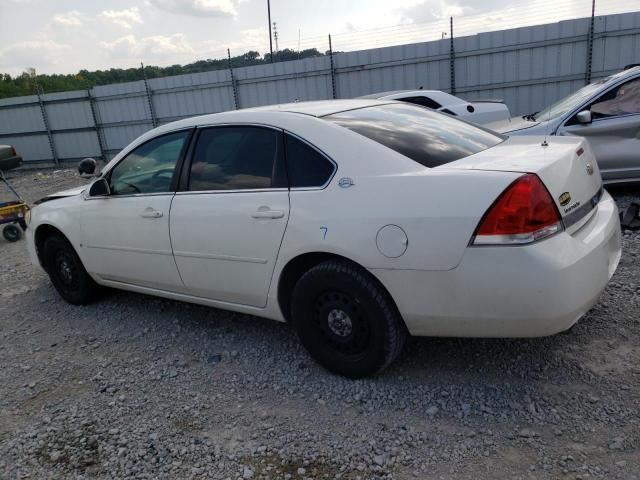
(340, 322)
(66, 269)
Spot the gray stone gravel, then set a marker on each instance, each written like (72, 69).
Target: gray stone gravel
(138, 387)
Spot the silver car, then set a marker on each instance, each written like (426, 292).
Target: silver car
(606, 112)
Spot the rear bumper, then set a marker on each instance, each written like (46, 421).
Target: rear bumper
(525, 291)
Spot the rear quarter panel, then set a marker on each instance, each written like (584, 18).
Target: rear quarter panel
(437, 209)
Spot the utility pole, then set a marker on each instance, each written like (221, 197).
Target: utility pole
(270, 36)
(587, 76)
(452, 59)
(233, 81)
(275, 35)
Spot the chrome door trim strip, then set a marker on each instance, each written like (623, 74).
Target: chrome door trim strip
(229, 258)
(130, 250)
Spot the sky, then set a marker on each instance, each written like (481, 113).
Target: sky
(64, 36)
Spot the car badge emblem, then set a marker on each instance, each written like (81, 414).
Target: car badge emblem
(345, 182)
(564, 198)
(589, 169)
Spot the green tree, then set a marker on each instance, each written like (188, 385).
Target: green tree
(24, 85)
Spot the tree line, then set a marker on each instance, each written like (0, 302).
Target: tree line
(26, 85)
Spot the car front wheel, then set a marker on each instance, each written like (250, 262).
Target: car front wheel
(346, 320)
(66, 271)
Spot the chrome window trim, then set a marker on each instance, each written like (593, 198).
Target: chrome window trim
(247, 190)
(132, 195)
(613, 117)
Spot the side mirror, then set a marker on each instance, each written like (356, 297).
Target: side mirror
(584, 117)
(87, 166)
(99, 188)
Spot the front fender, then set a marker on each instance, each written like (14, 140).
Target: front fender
(61, 214)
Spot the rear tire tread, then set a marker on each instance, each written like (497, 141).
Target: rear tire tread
(396, 331)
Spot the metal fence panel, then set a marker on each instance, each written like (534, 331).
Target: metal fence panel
(20, 118)
(31, 147)
(76, 145)
(63, 116)
(528, 67)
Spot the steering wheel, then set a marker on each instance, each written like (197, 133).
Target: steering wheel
(155, 178)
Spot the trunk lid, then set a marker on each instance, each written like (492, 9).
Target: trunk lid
(565, 165)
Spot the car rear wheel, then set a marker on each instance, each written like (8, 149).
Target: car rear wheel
(66, 271)
(346, 320)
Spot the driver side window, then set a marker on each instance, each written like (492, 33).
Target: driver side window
(624, 100)
(149, 168)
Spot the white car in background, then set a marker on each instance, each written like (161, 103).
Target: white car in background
(358, 221)
(478, 111)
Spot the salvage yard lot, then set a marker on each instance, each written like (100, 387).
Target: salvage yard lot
(138, 387)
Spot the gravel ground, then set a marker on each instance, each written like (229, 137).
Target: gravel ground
(137, 387)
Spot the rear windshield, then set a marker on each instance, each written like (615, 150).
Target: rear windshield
(427, 137)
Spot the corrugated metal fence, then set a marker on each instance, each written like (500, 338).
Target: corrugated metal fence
(528, 67)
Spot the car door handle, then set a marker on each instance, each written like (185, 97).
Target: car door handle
(266, 212)
(151, 213)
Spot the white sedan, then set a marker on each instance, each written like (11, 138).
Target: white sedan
(357, 221)
(478, 111)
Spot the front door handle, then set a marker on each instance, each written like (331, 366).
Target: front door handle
(150, 212)
(266, 212)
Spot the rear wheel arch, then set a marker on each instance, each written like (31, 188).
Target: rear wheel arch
(298, 266)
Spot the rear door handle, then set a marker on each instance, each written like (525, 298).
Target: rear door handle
(266, 212)
(151, 213)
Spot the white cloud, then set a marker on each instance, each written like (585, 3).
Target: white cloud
(123, 18)
(249, 39)
(33, 53)
(157, 46)
(419, 11)
(211, 8)
(69, 19)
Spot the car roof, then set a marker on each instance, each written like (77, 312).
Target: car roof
(261, 115)
(400, 92)
(318, 108)
(621, 75)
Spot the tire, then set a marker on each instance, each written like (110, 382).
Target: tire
(346, 320)
(66, 271)
(11, 233)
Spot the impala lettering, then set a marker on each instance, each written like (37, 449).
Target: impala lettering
(572, 207)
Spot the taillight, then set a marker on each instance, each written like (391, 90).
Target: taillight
(13, 152)
(523, 213)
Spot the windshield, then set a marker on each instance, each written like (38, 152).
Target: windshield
(570, 102)
(427, 137)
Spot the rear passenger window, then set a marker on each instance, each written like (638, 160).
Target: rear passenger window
(306, 167)
(423, 101)
(237, 158)
(423, 135)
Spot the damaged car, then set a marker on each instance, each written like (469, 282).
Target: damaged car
(359, 222)
(605, 112)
